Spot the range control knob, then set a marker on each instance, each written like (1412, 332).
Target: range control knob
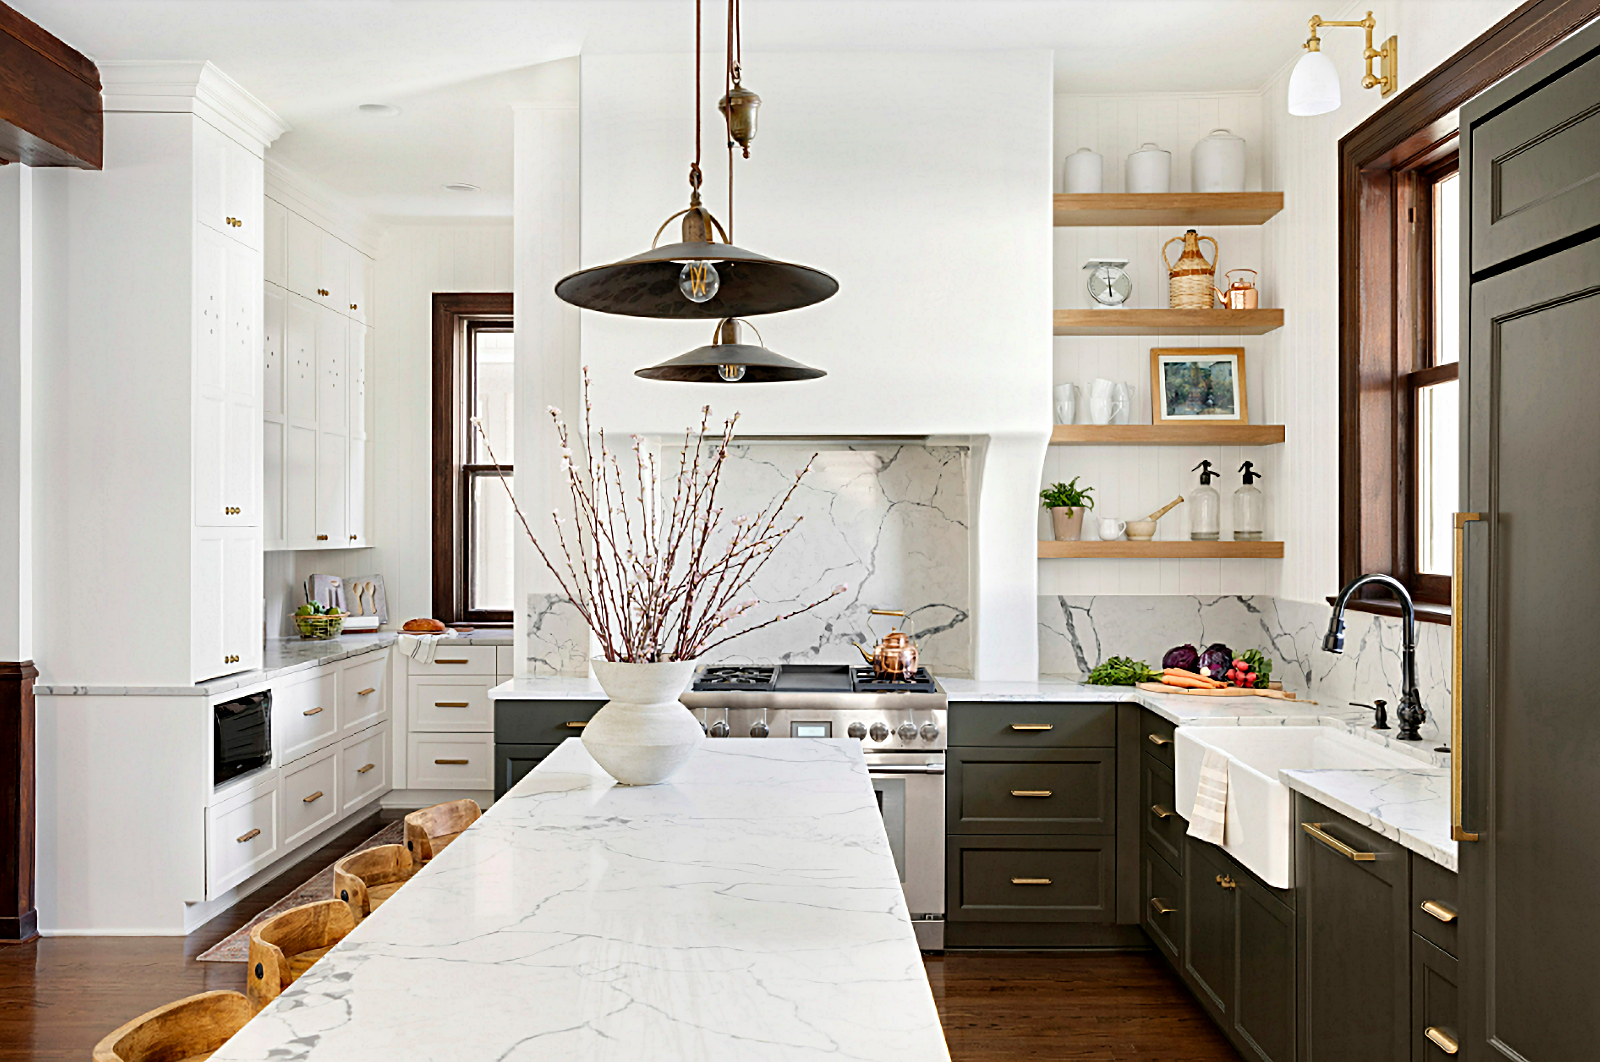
(908, 731)
(930, 731)
(880, 732)
(719, 728)
(758, 729)
(857, 730)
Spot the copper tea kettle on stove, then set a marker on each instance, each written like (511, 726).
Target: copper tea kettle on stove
(896, 654)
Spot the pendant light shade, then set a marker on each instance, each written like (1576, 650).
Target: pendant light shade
(727, 360)
(1314, 85)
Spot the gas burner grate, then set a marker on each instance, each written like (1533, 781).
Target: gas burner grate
(863, 680)
(730, 677)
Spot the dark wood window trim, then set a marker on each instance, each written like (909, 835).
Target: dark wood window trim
(454, 315)
(1385, 332)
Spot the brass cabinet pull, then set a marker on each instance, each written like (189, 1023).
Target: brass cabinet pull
(1457, 597)
(452, 704)
(312, 711)
(449, 763)
(353, 306)
(352, 538)
(1159, 741)
(1315, 830)
(1161, 906)
(245, 837)
(1442, 911)
(369, 689)
(1227, 882)
(1160, 812)
(1032, 726)
(575, 724)
(322, 538)
(1030, 792)
(441, 660)
(314, 796)
(364, 770)
(1030, 881)
(1442, 1039)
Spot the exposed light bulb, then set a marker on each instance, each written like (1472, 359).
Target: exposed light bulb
(730, 373)
(699, 280)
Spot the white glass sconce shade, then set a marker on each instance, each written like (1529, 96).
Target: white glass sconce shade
(1313, 86)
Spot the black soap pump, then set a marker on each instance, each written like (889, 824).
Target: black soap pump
(1249, 505)
(1205, 512)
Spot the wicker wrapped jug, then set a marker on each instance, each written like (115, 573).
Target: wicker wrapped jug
(1190, 278)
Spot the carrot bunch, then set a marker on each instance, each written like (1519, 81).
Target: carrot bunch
(1177, 676)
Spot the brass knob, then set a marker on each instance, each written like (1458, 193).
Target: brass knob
(1227, 882)
(322, 538)
(352, 538)
(353, 306)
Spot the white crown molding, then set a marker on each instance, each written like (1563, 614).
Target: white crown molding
(189, 86)
(318, 203)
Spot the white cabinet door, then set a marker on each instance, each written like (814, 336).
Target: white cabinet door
(333, 398)
(241, 439)
(364, 767)
(275, 241)
(335, 273)
(210, 377)
(305, 257)
(300, 361)
(333, 461)
(272, 351)
(308, 794)
(356, 370)
(274, 461)
(241, 598)
(360, 286)
(241, 836)
(300, 487)
(242, 195)
(274, 428)
(356, 495)
(361, 693)
(211, 177)
(206, 577)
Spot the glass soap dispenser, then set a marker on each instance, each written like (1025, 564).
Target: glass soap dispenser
(1248, 503)
(1205, 511)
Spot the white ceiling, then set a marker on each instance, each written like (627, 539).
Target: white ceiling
(451, 65)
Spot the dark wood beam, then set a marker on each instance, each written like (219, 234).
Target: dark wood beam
(50, 109)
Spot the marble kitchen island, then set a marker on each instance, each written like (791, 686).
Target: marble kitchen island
(749, 909)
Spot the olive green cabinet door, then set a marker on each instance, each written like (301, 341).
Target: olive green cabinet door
(1031, 791)
(1208, 949)
(1162, 914)
(1059, 878)
(1435, 1003)
(513, 762)
(1264, 973)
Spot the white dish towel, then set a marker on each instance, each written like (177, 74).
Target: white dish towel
(422, 647)
(1210, 818)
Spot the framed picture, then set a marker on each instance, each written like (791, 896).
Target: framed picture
(1190, 385)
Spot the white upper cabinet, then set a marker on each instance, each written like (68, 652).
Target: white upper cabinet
(334, 273)
(333, 478)
(304, 247)
(300, 361)
(228, 192)
(333, 398)
(275, 244)
(360, 286)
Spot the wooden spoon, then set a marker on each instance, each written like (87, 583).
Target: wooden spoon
(1159, 513)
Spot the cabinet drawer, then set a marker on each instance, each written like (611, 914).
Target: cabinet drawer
(363, 767)
(361, 699)
(1155, 737)
(1435, 894)
(241, 837)
(442, 705)
(1032, 791)
(1013, 725)
(541, 722)
(451, 761)
(1162, 911)
(512, 762)
(1435, 1006)
(1162, 829)
(305, 715)
(308, 796)
(1032, 879)
(457, 660)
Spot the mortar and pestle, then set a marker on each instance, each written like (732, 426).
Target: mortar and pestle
(1144, 530)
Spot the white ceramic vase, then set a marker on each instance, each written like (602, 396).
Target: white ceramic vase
(643, 734)
(1085, 172)
(1217, 163)
(1150, 171)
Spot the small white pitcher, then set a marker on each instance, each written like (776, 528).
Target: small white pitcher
(1110, 529)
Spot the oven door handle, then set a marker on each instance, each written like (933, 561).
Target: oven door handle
(905, 768)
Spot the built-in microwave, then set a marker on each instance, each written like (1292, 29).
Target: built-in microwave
(242, 740)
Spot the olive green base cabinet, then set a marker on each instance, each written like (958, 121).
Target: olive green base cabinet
(525, 732)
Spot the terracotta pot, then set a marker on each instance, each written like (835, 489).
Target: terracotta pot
(1067, 523)
(643, 735)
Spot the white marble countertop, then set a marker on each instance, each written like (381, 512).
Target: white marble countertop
(549, 688)
(748, 909)
(1408, 806)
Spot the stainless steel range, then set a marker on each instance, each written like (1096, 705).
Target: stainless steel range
(901, 727)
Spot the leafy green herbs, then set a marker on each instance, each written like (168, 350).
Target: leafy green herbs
(1122, 671)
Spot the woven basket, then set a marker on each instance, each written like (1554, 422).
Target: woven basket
(321, 627)
(1191, 279)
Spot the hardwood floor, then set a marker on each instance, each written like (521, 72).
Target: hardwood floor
(1000, 1006)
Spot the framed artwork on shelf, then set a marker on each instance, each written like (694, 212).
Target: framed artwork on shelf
(1198, 385)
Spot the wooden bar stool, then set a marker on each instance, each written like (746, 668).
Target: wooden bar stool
(287, 945)
(185, 1030)
(365, 879)
(428, 831)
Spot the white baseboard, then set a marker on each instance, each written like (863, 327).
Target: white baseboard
(412, 799)
(165, 931)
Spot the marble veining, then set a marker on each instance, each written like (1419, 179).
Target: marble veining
(749, 909)
(558, 638)
(1408, 806)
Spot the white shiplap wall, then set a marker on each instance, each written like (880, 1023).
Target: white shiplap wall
(415, 260)
(1133, 481)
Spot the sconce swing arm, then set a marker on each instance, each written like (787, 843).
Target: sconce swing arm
(1389, 53)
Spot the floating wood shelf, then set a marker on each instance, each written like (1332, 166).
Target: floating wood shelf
(1182, 549)
(1166, 435)
(1167, 322)
(1174, 208)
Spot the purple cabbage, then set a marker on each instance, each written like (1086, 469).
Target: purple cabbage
(1217, 659)
(1182, 656)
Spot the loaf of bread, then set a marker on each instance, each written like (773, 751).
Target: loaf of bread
(424, 626)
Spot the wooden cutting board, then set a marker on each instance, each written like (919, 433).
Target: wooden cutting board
(1230, 691)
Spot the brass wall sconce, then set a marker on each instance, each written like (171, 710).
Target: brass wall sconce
(1314, 85)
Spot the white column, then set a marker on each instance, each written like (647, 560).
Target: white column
(1005, 550)
(545, 237)
(16, 412)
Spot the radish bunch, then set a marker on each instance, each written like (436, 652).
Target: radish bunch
(1242, 675)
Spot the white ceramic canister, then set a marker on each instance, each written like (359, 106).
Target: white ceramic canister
(1086, 172)
(1218, 163)
(1150, 171)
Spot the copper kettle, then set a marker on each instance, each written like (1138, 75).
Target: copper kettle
(896, 654)
(1242, 293)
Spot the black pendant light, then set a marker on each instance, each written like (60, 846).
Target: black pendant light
(699, 278)
(727, 360)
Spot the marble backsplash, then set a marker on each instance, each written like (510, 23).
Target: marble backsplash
(1076, 633)
(888, 521)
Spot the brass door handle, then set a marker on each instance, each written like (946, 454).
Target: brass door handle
(1030, 881)
(1457, 597)
(1030, 792)
(451, 704)
(1160, 812)
(1032, 726)
(1442, 1039)
(245, 837)
(312, 711)
(364, 770)
(1316, 831)
(1161, 906)
(575, 724)
(1159, 741)
(313, 797)
(1227, 882)
(369, 689)
(448, 763)
(1442, 911)
(452, 661)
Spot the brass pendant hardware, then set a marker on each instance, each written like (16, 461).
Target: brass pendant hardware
(738, 109)
(1389, 77)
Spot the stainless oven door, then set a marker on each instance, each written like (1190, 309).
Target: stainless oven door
(910, 790)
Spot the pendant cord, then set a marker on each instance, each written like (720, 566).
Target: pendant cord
(695, 177)
(730, 77)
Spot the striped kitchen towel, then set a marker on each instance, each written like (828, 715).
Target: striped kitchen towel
(1211, 799)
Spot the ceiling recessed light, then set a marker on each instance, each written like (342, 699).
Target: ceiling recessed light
(462, 186)
(379, 110)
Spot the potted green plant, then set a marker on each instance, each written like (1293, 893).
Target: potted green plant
(1067, 502)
